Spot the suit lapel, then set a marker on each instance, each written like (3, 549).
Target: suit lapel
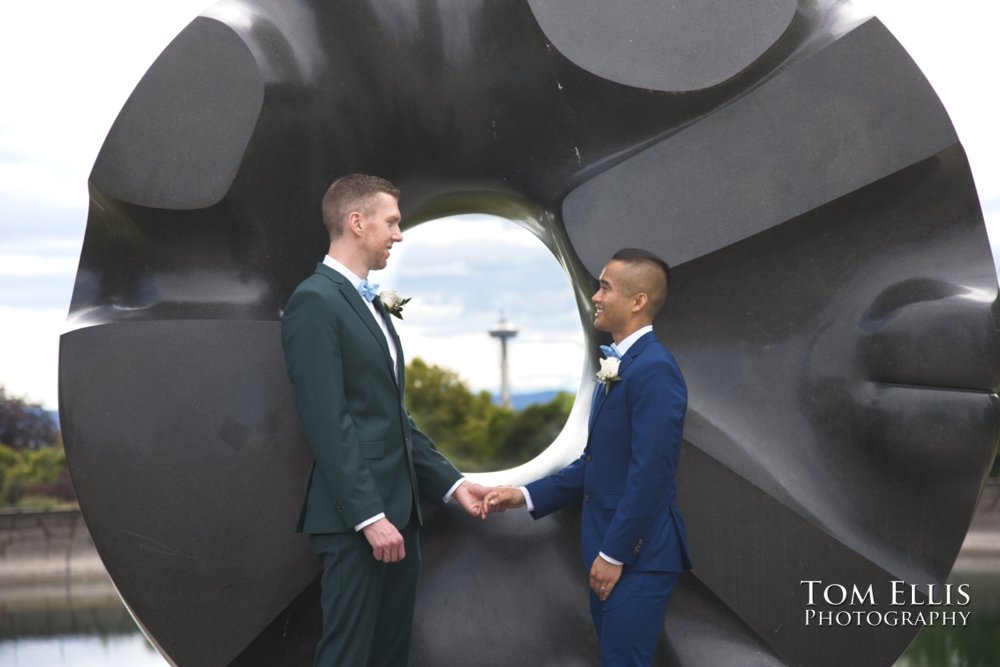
(395, 341)
(596, 403)
(357, 304)
(601, 396)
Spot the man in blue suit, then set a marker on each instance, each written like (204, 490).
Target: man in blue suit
(632, 534)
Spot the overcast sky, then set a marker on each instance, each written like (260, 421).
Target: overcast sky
(69, 66)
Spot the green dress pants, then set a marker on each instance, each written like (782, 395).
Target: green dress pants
(367, 604)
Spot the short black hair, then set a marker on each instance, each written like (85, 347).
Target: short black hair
(635, 255)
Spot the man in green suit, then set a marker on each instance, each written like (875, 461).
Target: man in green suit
(371, 463)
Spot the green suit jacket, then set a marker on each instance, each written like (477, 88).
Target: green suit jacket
(369, 457)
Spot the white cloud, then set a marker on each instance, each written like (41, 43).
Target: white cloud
(452, 268)
(37, 281)
(33, 265)
(470, 228)
(29, 352)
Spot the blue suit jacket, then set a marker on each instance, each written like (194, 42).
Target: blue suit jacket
(625, 479)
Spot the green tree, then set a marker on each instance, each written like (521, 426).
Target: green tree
(473, 432)
(32, 460)
(25, 425)
(533, 429)
(443, 407)
(26, 472)
(8, 462)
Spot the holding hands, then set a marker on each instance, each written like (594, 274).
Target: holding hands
(481, 501)
(501, 498)
(471, 497)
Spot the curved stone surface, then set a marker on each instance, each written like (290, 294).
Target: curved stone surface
(195, 119)
(668, 46)
(822, 128)
(833, 309)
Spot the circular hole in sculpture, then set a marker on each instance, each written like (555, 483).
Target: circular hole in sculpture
(491, 336)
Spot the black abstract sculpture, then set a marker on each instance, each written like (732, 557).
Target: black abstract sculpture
(833, 308)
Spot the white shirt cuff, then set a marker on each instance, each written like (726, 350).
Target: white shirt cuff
(368, 522)
(451, 491)
(609, 558)
(527, 498)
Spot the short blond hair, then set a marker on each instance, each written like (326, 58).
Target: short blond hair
(350, 193)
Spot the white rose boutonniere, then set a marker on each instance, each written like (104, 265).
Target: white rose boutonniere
(608, 372)
(393, 303)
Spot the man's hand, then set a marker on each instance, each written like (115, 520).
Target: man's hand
(502, 498)
(387, 543)
(603, 577)
(470, 496)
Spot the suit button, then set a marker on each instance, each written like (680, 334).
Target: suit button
(586, 499)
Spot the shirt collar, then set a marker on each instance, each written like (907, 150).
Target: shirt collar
(632, 338)
(342, 270)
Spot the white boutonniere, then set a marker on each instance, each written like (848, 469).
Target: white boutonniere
(608, 372)
(392, 302)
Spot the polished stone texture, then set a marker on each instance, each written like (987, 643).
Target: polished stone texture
(833, 308)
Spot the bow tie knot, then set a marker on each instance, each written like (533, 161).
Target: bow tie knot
(611, 351)
(367, 290)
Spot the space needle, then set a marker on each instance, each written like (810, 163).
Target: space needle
(503, 332)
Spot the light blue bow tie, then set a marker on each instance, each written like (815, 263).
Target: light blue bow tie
(367, 290)
(611, 351)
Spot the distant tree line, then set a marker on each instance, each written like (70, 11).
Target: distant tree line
(33, 469)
